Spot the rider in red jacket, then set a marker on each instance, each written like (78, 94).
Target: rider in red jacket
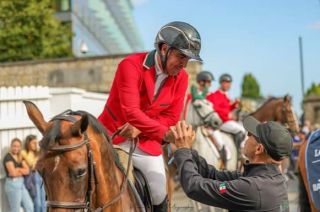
(222, 104)
(224, 107)
(147, 97)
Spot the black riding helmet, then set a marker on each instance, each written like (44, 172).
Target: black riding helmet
(225, 77)
(205, 76)
(181, 36)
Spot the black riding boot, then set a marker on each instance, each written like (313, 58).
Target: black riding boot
(239, 137)
(163, 207)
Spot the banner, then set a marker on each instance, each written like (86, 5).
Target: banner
(312, 161)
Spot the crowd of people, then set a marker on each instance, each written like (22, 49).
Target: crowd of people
(23, 184)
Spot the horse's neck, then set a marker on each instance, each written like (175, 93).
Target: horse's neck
(108, 176)
(267, 112)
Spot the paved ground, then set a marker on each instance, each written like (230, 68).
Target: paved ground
(181, 203)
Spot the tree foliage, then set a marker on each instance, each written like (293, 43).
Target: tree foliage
(29, 30)
(250, 87)
(313, 90)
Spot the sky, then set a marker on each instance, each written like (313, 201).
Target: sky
(246, 36)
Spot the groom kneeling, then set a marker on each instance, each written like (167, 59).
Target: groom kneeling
(261, 187)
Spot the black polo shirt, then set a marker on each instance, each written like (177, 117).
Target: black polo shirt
(261, 187)
(8, 158)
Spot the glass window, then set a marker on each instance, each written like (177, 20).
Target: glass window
(62, 5)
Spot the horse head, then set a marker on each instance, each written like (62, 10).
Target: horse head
(76, 156)
(201, 113)
(287, 116)
(280, 110)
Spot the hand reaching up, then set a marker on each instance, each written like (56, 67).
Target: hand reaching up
(183, 135)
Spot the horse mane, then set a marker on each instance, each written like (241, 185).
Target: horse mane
(272, 98)
(55, 133)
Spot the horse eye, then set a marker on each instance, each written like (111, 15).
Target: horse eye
(78, 173)
(81, 173)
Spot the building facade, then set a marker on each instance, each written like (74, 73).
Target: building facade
(100, 27)
(311, 108)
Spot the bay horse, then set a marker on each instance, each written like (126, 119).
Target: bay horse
(80, 169)
(279, 110)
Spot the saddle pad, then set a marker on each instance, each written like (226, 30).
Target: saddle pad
(124, 157)
(312, 160)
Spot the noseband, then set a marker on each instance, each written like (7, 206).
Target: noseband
(92, 180)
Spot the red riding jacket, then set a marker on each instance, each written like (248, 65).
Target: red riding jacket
(222, 104)
(132, 100)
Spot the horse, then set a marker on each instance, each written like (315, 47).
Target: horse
(79, 166)
(279, 110)
(309, 148)
(200, 114)
(304, 194)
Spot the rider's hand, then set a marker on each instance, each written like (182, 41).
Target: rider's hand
(237, 101)
(183, 135)
(128, 131)
(169, 136)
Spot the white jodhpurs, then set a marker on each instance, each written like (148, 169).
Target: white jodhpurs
(153, 168)
(232, 127)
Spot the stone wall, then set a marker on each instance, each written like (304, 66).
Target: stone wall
(311, 107)
(92, 73)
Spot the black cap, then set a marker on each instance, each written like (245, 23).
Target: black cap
(225, 77)
(273, 136)
(205, 76)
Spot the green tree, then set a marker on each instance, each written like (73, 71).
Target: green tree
(29, 30)
(250, 87)
(314, 89)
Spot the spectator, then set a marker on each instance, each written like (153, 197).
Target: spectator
(30, 155)
(15, 189)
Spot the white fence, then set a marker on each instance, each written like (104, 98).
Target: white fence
(14, 121)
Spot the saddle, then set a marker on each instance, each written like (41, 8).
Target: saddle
(237, 137)
(142, 186)
(137, 181)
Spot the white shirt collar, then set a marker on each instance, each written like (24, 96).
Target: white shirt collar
(157, 66)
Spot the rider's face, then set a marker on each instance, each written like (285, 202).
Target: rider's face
(175, 60)
(204, 83)
(225, 85)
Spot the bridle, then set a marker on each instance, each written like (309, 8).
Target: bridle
(287, 119)
(92, 180)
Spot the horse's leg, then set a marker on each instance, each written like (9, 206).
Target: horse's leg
(215, 143)
(170, 174)
(170, 188)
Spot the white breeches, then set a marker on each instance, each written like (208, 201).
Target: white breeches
(153, 169)
(232, 127)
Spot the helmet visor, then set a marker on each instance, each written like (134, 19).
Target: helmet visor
(191, 54)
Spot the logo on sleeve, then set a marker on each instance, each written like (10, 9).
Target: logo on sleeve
(222, 188)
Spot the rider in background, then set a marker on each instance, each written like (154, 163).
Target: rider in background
(200, 92)
(147, 97)
(204, 79)
(224, 107)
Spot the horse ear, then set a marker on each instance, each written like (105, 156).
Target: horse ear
(36, 116)
(80, 126)
(287, 98)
